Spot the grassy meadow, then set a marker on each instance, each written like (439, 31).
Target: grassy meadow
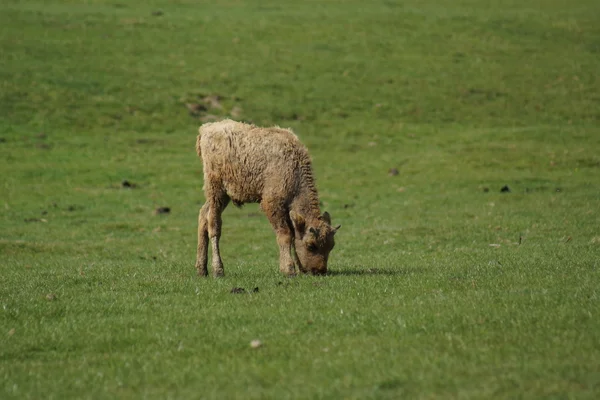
(416, 114)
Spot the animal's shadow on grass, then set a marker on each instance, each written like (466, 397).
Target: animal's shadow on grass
(364, 271)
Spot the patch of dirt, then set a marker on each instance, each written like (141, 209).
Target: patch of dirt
(213, 101)
(210, 108)
(236, 112)
(209, 118)
(128, 185)
(481, 94)
(162, 210)
(35, 220)
(196, 109)
(149, 141)
(240, 290)
(505, 189)
(393, 172)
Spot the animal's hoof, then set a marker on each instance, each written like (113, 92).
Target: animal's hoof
(288, 273)
(288, 270)
(202, 272)
(218, 273)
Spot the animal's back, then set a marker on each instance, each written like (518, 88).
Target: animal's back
(250, 160)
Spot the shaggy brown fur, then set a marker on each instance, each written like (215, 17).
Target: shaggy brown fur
(248, 164)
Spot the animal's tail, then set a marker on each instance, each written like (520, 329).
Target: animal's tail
(198, 149)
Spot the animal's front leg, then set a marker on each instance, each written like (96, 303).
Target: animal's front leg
(296, 259)
(277, 216)
(286, 265)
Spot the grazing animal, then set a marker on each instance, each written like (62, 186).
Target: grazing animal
(249, 164)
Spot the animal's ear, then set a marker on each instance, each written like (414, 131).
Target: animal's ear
(326, 217)
(298, 222)
(336, 229)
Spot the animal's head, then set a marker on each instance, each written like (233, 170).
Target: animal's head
(313, 242)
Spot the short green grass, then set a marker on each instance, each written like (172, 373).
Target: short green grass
(441, 285)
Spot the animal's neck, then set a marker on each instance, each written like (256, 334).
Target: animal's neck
(306, 202)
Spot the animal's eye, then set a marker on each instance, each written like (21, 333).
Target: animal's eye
(311, 247)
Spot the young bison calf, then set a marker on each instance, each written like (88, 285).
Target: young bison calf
(245, 163)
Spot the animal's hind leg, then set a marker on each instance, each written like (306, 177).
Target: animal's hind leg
(217, 200)
(277, 215)
(202, 253)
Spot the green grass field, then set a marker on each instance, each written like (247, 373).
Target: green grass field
(440, 285)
